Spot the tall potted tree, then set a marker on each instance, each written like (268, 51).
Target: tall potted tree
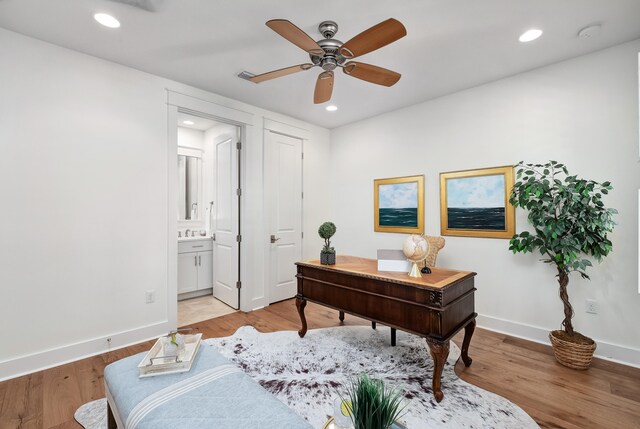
(570, 223)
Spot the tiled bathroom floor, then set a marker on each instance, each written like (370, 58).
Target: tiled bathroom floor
(202, 308)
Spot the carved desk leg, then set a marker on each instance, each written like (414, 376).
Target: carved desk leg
(301, 303)
(439, 352)
(468, 333)
(341, 316)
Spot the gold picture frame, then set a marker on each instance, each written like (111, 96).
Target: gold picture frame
(399, 204)
(475, 203)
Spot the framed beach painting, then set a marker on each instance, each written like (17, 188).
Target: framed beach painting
(399, 204)
(475, 203)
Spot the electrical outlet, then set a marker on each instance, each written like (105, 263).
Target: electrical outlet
(150, 296)
(592, 306)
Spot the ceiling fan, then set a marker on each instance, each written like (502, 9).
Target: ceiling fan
(330, 54)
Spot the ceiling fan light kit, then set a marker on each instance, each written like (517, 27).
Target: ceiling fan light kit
(330, 54)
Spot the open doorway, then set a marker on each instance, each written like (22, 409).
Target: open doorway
(208, 217)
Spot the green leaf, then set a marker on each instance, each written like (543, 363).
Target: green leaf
(567, 213)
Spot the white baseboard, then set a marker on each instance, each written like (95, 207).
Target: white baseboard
(612, 352)
(61, 355)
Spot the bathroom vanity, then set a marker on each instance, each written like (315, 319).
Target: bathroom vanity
(195, 267)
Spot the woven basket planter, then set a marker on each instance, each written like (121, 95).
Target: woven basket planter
(572, 355)
(327, 258)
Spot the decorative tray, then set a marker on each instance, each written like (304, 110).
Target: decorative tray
(156, 363)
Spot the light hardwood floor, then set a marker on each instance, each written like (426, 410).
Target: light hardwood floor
(605, 396)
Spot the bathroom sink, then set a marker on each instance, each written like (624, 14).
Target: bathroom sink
(197, 237)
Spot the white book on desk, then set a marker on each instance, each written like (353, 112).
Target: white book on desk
(393, 260)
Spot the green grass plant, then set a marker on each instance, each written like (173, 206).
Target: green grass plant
(374, 405)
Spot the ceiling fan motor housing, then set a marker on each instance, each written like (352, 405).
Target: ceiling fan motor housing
(331, 58)
(328, 29)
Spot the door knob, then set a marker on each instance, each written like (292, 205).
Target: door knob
(274, 239)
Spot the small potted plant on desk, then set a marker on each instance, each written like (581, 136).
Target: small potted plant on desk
(569, 221)
(328, 253)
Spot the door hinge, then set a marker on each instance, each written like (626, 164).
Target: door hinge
(302, 153)
(302, 195)
(213, 237)
(302, 234)
(239, 145)
(238, 192)
(238, 284)
(239, 238)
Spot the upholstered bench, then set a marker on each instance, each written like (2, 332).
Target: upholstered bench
(213, 394)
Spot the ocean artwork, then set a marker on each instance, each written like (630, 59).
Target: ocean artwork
(398, 205)
(476, 203)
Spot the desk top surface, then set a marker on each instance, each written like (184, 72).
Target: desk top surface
(439, 277)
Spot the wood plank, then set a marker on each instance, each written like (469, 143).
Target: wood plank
(21, 405)
(61, 394)
(529, 376)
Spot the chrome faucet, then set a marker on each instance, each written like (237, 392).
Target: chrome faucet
(186, 233)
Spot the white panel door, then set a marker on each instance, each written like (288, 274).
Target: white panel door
(225, 245)
(283, 192)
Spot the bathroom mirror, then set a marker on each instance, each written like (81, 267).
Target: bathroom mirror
(189, 206)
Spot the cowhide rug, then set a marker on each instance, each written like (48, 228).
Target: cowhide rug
(308, 374)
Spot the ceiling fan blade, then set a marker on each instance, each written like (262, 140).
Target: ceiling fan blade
(370, 73)
(296, 36)
(280, 72)
(148, 5)
(374, 38)
(324, 87)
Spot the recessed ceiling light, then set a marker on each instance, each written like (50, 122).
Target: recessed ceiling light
(331, 108)
(188, 122)
(530, 35)
(107, 20)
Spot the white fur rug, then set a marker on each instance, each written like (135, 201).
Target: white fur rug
(308, 373)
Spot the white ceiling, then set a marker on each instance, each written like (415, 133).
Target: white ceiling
(451, 45)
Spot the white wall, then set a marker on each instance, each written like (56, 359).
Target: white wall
(583, 112)
(190, 138)
(85, 207)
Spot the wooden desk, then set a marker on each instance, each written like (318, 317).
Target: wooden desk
(435, 307)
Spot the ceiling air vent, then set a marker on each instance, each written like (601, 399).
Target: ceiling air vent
(245, 75)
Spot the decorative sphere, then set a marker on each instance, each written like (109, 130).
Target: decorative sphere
(415, 248)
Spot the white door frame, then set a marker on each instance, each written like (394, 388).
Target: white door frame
(198, 107)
